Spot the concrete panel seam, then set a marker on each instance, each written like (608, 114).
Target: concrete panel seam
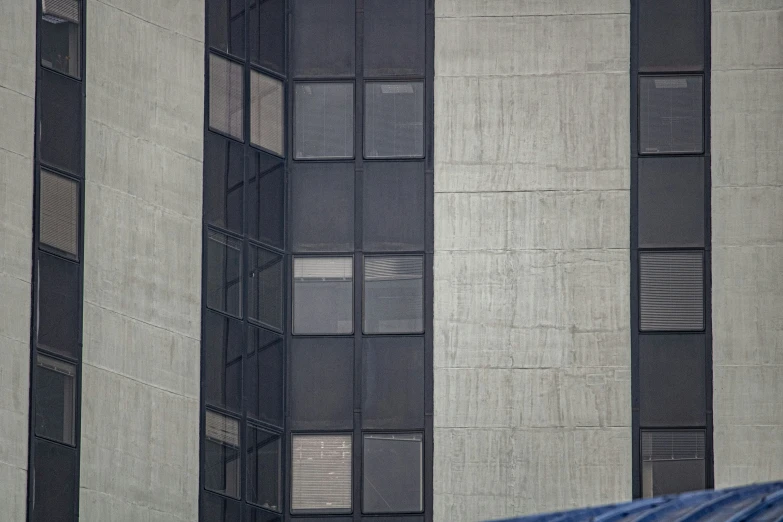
(139, 138)
(85, 363)
(150, 22)
(174, 332)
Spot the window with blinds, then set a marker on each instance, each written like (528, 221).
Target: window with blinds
(671, 291)
(226, 94)
(321, 473)
(323, 295)
(394, 120)
(323, 120)
(60, 36)
(55, 399)
(672, 461)
(59, 212)
(393, 294)
(222, 471)
(266, 112)
(671, 118)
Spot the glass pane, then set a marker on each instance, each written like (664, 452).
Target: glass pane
(323, 114)
(55, 399)
(226, 94)
(266, 198)
(323, 295)
(266, 112)
(324, 38)
(393, 206)
(60, 36)
(226, 20)
(672, 462)
(671, 35)
(223, 182)
(215, 508)
(264, 376)
(55, 482)
(224, 273)
(265, 287)
(671, 291)
(392, 473)
(393, 294)
(321, 473)
(223, 341)
(394, 120)
(222, 472)
(670, 115)
(60, 130)
(59, 212)
(264, 469)
(394, 37)
(59, 297)
(322, 197)
(267, 34)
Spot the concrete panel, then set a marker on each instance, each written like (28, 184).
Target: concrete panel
(174, 15)
(16, 213)
(747, 39)
(17, 47)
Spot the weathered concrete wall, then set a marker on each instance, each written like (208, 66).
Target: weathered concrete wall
(532, 307)
(144, 143)
(747, 240)
(17, 105)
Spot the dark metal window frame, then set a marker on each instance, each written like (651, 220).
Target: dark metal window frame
(337, 80)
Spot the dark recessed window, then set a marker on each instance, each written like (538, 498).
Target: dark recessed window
(59, 297)
(223, 342)
(672, 462)
(266, 112)
(61, 36)
(394, 120)
(264, 469)
(323, 126)
(223, 182)
(393, 294)
(226, 92)
(227, 26)
(265, 287)
(671, 291)
(321, 473)
(54, 476)
(59, 212)
(266, 198)
(671, 116)
(671, 35)
(392, 473)
(322, 197)
(323, 295)
(264, 371)
(324, 38)
(393, 206)
(394, 37)
(55, 399)
(267, 34)
(222, 470)
(215, 508)
(224, 273)
(259, 515)
(60, 130)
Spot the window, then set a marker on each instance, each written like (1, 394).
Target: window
(59, 298)
(257, 515)
(267, 34)
(672, 462)
(59, 218)
(226, 93)
(671, 35)
(323, 295)
(671, 291)
(223, 182)
(60, 127)
(322, 197)
(226, 29)
(394, 120)
(393, 206)
(223, 341)
(55, 399)
(221, 455)
(215, 508)
(266, 199)
(266, 112)
(55, 482)
(394, 37)
(61, 35)
(324, 38)
(323, 120)
(263, 469)
(392, 473)
(265, 287)
(264, 376)
(224, 273)
(671, 115)
(321, 473)
(393, 294)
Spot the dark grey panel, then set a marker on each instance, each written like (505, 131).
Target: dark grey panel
(264, 376)
(265, 287)
(393, 382)
(393, 294)
(259, 515)
(671, 35)
(60, 113)
(671, 291)
(266, 198)
(324, 38)
(223, 342)
(394, 120)
(224, 273)
(55, 399)
(55, 482)
(671, 118)
(264, 487)
(392, 473)
(394, 37)
(671, 477)
(323, 120)
(59, 296)
(222, 471)
(267, 34)
(223, 182)
(215, 508)
(322, 197)
(60, 33)
(323, 295)
(226, 96)
(671, 202)
(226, 31)
(393, 206)
(59, 212)
(672, 380)
(321, 384)
(321, 466)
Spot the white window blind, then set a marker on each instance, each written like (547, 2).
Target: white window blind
(321, 472)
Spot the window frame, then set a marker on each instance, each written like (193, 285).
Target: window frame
(422, 445)
(402, 80)
(292, 434)
(292, 307)
(339, 81)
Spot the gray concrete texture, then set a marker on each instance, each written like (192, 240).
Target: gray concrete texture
(17, 105)
(747, 240)
(532, 309)
(142, 295)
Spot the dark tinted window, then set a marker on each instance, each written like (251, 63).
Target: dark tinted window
(672, 462)
(223, 182)
(226, 20)
(324, 38)
(215, 508)
(55, 399)
(322, 197)
(55, 482)
(222, 470)
(224, 273)
(60, 112)
(393, 37)
(671, 202)
(393, 215)
(265, 287)
(323, 295)
(61, 36)
(393, 294)
(259, 515)
(226, 92)
(266, 112)
(671, 291)
(321, 384)
(59, 212)
(266, 199)
(323, 126)
(671, 35)
(267, 34)
(392, 473)
(59, 296)
(321, 473)
(264, 371)
(671, 115)
(393, 382)
(223, 341)
(394, 120)
(263, 469)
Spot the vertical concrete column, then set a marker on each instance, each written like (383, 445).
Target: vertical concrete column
(747, 239)
(142, 255)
